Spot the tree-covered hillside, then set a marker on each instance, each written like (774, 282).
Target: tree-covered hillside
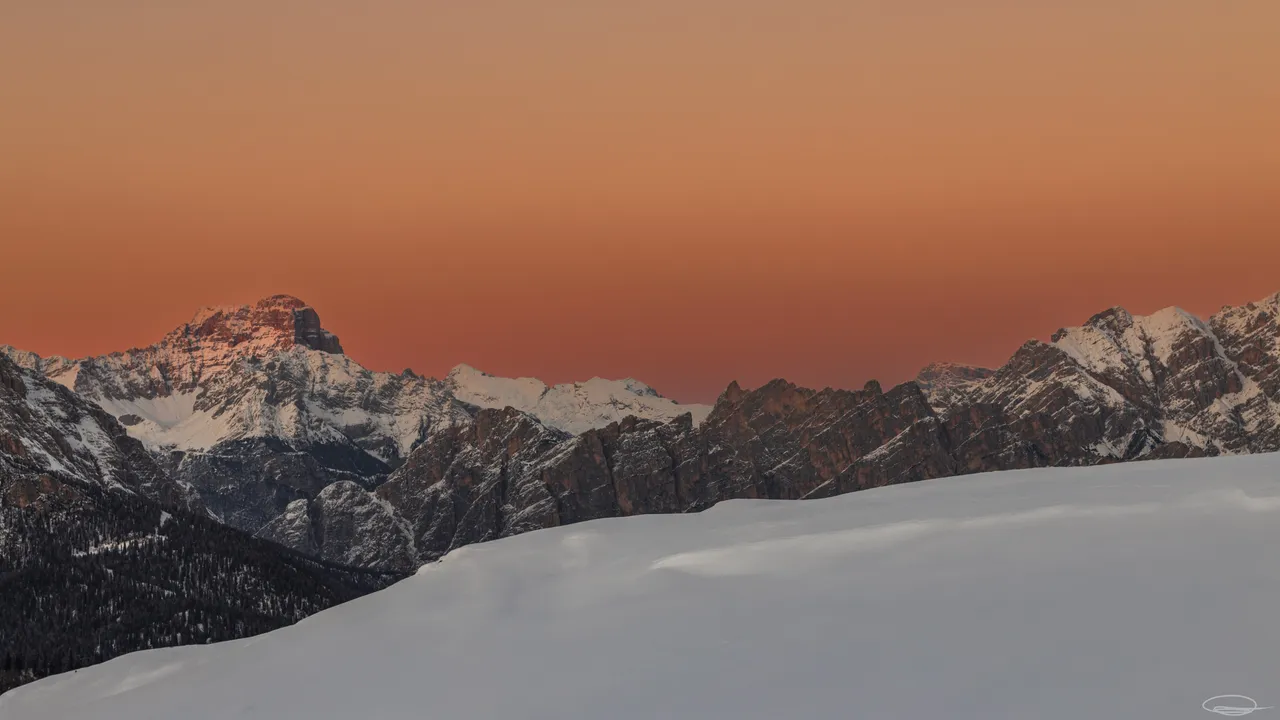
(88, 574)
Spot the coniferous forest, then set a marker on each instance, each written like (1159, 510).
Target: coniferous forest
(88, 574)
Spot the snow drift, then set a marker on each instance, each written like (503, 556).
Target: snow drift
(1128, 591)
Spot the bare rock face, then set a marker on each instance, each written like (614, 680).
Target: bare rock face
(347, 525)
(945, 384)
(504, 473)
(280, 322)
(247, 483)
(480, 481)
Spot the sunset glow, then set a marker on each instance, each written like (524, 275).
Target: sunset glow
(685, 192)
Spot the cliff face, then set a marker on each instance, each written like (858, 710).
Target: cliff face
(504, 473)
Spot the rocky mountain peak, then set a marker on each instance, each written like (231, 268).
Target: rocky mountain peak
(732, 395)
(279, 322)
(1271, 303)
(638, 387)
(463, 370)
(287, 302)
(1114, 320)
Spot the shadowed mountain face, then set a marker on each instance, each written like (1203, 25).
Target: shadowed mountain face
(283, 435)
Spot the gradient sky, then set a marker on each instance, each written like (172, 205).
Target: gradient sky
(688, 192)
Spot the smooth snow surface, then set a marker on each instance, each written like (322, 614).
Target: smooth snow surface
(1131, 591)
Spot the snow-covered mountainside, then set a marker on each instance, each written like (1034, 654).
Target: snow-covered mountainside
(1129, 591)
(573, 407)
(267, 370)
(48, 431)
(257, 406)
(1125, 387)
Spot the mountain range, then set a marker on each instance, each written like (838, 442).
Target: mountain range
(256, 415)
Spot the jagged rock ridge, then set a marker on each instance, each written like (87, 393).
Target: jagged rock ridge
(1118, 388)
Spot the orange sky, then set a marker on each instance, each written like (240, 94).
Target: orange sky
(687, 191)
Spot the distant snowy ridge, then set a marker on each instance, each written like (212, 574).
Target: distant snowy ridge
(572, 407)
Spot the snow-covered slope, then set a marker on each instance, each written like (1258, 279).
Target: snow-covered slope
(572, 407)
(1130, 591)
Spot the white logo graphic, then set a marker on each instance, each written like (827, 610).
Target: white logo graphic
(1233, 705)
